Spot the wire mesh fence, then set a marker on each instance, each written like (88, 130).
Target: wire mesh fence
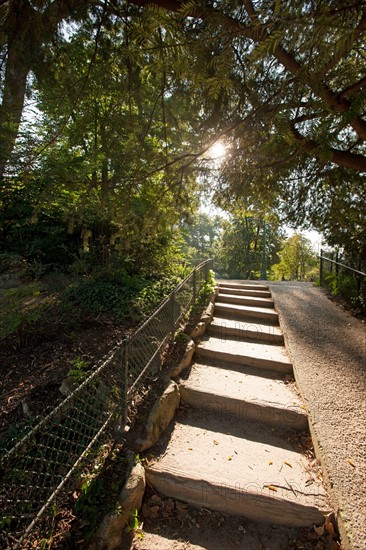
(345, 277)
(37, 467)
(142, 350)
(35, 470)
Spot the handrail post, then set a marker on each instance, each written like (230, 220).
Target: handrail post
(321, 267)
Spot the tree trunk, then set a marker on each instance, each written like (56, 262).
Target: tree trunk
(16, 73)
(104, 166)
(27, 29)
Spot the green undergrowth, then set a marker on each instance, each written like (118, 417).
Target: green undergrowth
(207, 289)
(344, 287)
(98, 483)
(81, 293)
(126, 298)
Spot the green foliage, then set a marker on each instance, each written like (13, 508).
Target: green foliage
(21, 307)
(297, 260)
(40, 237)
(139, 101)
(200, 235)
(79, 370)
(239, 252)
(207, 289)
(347, 286)
(88, 504)
(133, 523)
(96, 297)
(130, 297)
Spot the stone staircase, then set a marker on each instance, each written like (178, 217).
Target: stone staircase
(237, 445)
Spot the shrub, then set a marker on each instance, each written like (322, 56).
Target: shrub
(21, 307)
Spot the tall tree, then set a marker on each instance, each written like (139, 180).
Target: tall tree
(27, 28)
(244, 244)
(296, 258)
(105, 128)
(284, 81)
(200, 235)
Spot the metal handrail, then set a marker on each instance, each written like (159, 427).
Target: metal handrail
(343, 265)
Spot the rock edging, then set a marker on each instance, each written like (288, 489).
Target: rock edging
(160, 416)
(110, 533)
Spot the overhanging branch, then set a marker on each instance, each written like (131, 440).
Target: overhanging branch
(354, 161)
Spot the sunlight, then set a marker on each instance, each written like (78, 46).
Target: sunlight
(217, 150)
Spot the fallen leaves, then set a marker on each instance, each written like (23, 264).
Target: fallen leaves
(271, 488)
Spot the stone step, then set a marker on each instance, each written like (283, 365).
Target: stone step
(241, 292)
(248, 312)
(238, 468)
(227, 329)
(252, 354)
(243, 286)
(244, 396)
(244, 300)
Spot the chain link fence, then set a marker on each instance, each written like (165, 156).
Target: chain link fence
(35, 470)
(142, 350)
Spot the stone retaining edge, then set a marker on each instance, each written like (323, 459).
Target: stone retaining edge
(110, 533)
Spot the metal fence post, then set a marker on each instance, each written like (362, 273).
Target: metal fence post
(321, 267)
(124, 381)
(194, 285)
(172, 307)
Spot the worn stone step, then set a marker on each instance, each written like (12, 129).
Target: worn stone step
(254, 301)
(243, 286)
(239, 330)
(247, 312)
(243, 396)
(238, 468)
(252, 354)
(243, 292)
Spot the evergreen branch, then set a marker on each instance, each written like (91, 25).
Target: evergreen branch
(354, 161)
(191, 157)
(250, 10)
(353, 88)
(79, 95)
(346, 46)
(305, 118)
(258, 33)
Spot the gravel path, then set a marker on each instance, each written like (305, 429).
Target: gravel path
(328, 350)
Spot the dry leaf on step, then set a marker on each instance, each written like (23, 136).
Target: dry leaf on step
(319, 530)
